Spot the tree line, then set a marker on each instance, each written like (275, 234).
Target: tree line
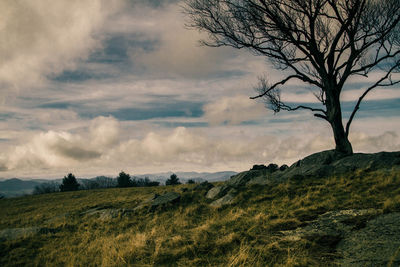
(70, 183)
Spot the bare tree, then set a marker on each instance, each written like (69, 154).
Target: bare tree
(321, 43)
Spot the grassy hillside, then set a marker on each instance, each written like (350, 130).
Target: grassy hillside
(190, 233)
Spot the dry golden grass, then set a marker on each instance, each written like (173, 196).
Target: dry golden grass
(246, 233)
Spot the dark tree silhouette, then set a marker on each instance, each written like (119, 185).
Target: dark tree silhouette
(322, 43)
(124, 180)
(173, 180)
(69, 183)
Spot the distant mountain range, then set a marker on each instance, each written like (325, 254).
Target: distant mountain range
(16, 187)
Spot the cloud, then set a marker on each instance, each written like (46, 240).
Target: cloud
(45, 37)
(176, 51)
(60, 148)
(387, 141)
(106, 146)
(233, 110)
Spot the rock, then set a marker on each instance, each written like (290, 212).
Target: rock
(258, 167)
(377, 244)
(331, 227)
(106, 214)
(328, 163)
(242, 178)
(272, 167)
(225, 200)
(203, 186)
(167, 198)
(283, 167)
(218, 191)
(15, 233)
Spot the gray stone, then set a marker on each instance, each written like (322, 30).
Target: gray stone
(328, 163)
(330, 227)
(15, 233)
(225, 200)
(214, 192)
(377, 244)
(106, 214)
(167, 198)
(242, 178)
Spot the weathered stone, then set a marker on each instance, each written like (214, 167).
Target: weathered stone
(213, 192)
(167, 198)
(283, 167)
(242, 178)
(330, 162)
(330, 227)
(15, 233)
(218, 191)
(377, 244)
(106, 214)
(225, 200)
(258, 167)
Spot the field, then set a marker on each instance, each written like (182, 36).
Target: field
(190, 233)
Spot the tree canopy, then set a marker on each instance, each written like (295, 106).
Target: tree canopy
(69, 183)
(321, 43)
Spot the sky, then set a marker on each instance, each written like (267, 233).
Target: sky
(96, 87)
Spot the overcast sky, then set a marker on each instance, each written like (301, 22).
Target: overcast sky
(96, 87)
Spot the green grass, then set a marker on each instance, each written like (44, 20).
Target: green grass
(191, 233)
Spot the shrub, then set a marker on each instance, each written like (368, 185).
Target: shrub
(69, 183)
(124, 180)
(173, 180)
(191, 181)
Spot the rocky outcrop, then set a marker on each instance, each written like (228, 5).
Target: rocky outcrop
(359, 237)
(225, 200)
(159, 201)
(318, 165)
(167, 198)
(15, 233)
(377, 244)
(105, 214)
(331, 226)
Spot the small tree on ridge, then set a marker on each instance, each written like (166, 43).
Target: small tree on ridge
(124, 180)
(69, 183)
(173, 180)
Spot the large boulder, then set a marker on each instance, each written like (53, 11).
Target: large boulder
(218, 191)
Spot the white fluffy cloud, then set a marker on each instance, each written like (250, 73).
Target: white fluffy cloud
(45, 37)
(53, 149)
(233, 110)
(104, 147)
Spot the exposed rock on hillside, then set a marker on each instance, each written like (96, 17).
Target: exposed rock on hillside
(377, 244)
(106, 214)
(360, 237)
(322, 164)
(155, 201)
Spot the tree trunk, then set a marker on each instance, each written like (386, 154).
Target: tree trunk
(334, 114)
